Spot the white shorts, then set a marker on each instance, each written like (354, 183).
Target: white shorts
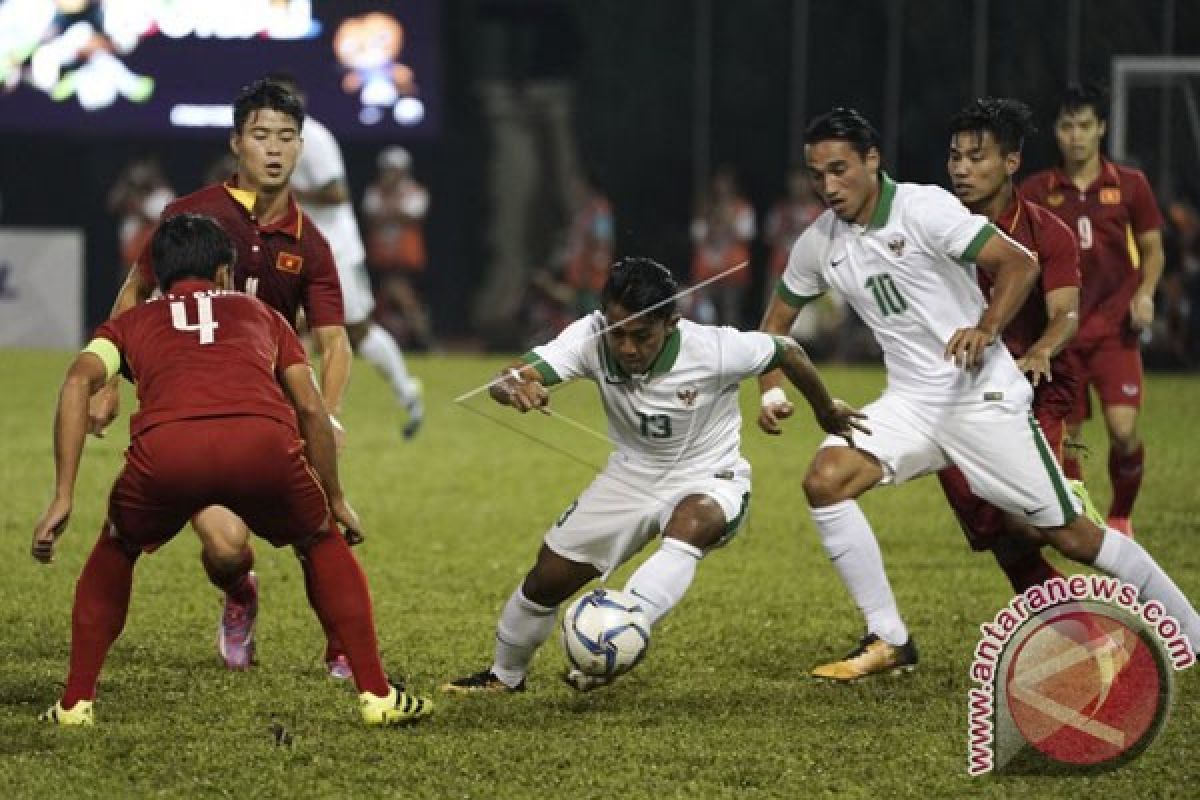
(358, 301)
(615, 517)
(997, 445)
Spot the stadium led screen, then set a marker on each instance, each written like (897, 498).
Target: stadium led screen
(171, 67)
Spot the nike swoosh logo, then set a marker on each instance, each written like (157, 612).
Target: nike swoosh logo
(1035, 511)
(835, 262)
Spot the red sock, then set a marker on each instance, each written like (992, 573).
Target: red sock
(1125, 472)
(1023, 563)
(101, 603)
(333, 645)
(338, 591)
(1071, 466)
(231, 581)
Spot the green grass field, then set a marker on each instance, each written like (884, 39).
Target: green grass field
(720, 708)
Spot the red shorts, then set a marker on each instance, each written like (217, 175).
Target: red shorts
(254, 466)
(1114, 366)
(981, 522)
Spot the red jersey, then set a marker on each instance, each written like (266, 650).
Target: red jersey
(1051, 242)
(200, 352)
(1106, 217)
(288, 265)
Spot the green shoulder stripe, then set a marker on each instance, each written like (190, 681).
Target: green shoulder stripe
(791, 298)
(777, 358)
(549, 376)
(972, 252)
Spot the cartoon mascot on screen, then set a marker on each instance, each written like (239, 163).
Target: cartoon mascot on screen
(369, 46)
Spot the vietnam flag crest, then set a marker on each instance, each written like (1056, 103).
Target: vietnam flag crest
(289, 262)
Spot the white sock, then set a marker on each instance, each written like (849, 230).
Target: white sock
(855, 554)
(1124, 558)
(382, 352)
(663, 578)
(522, 628)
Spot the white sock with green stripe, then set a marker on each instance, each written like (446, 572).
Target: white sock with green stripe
(522, 628)
(661, 581)
(1124, 558)
(851, 546)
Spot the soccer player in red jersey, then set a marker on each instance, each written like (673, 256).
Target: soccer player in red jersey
(1116, 219)
(284, 261)
(214, 425)
(986, 139)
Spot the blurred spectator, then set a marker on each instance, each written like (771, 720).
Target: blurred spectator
(823, 326)
(789, 218)
(394, 208)
(138, 198)
(1180, 287)
(722, 230)
(221, 169)
(570, 286)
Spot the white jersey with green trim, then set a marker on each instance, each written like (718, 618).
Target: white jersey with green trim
(680, 419)
(910, 275)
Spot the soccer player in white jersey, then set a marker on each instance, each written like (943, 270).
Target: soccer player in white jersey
(319, 185)
(669, 388)
(904, 256)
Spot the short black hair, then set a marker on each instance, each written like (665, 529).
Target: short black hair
(189, 246)
(640, 284)
(265, 93)
(847, 125)
(1008, 120)
(1077, 97)
(288, 81)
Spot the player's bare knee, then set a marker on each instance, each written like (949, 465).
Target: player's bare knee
(825, 482)
(1079, 541)
(698, 520)
(356, 332)
(553, 578)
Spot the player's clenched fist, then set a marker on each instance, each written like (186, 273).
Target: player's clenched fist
(520, 388)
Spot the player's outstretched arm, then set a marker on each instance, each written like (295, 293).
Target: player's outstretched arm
(519, 385)
(1062, 314)
(336, 358)
(319, 446)
(777, 320)
(86, 375)
(105, 404)
(1141, 307)
(832, 415)
(1014, 271)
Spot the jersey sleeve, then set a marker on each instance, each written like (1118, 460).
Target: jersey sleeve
(569, 355)
(323, 294)
(1143, 208)
(802, 279)
(109, 343)
(1058, 253)
(947, 226)
(745, 354)
(289, 349)
(321, 160)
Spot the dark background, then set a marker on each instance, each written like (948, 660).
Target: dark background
(634, 67)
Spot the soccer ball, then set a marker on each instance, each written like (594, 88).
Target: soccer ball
(605, 633)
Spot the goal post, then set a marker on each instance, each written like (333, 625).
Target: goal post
(1162, 72)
